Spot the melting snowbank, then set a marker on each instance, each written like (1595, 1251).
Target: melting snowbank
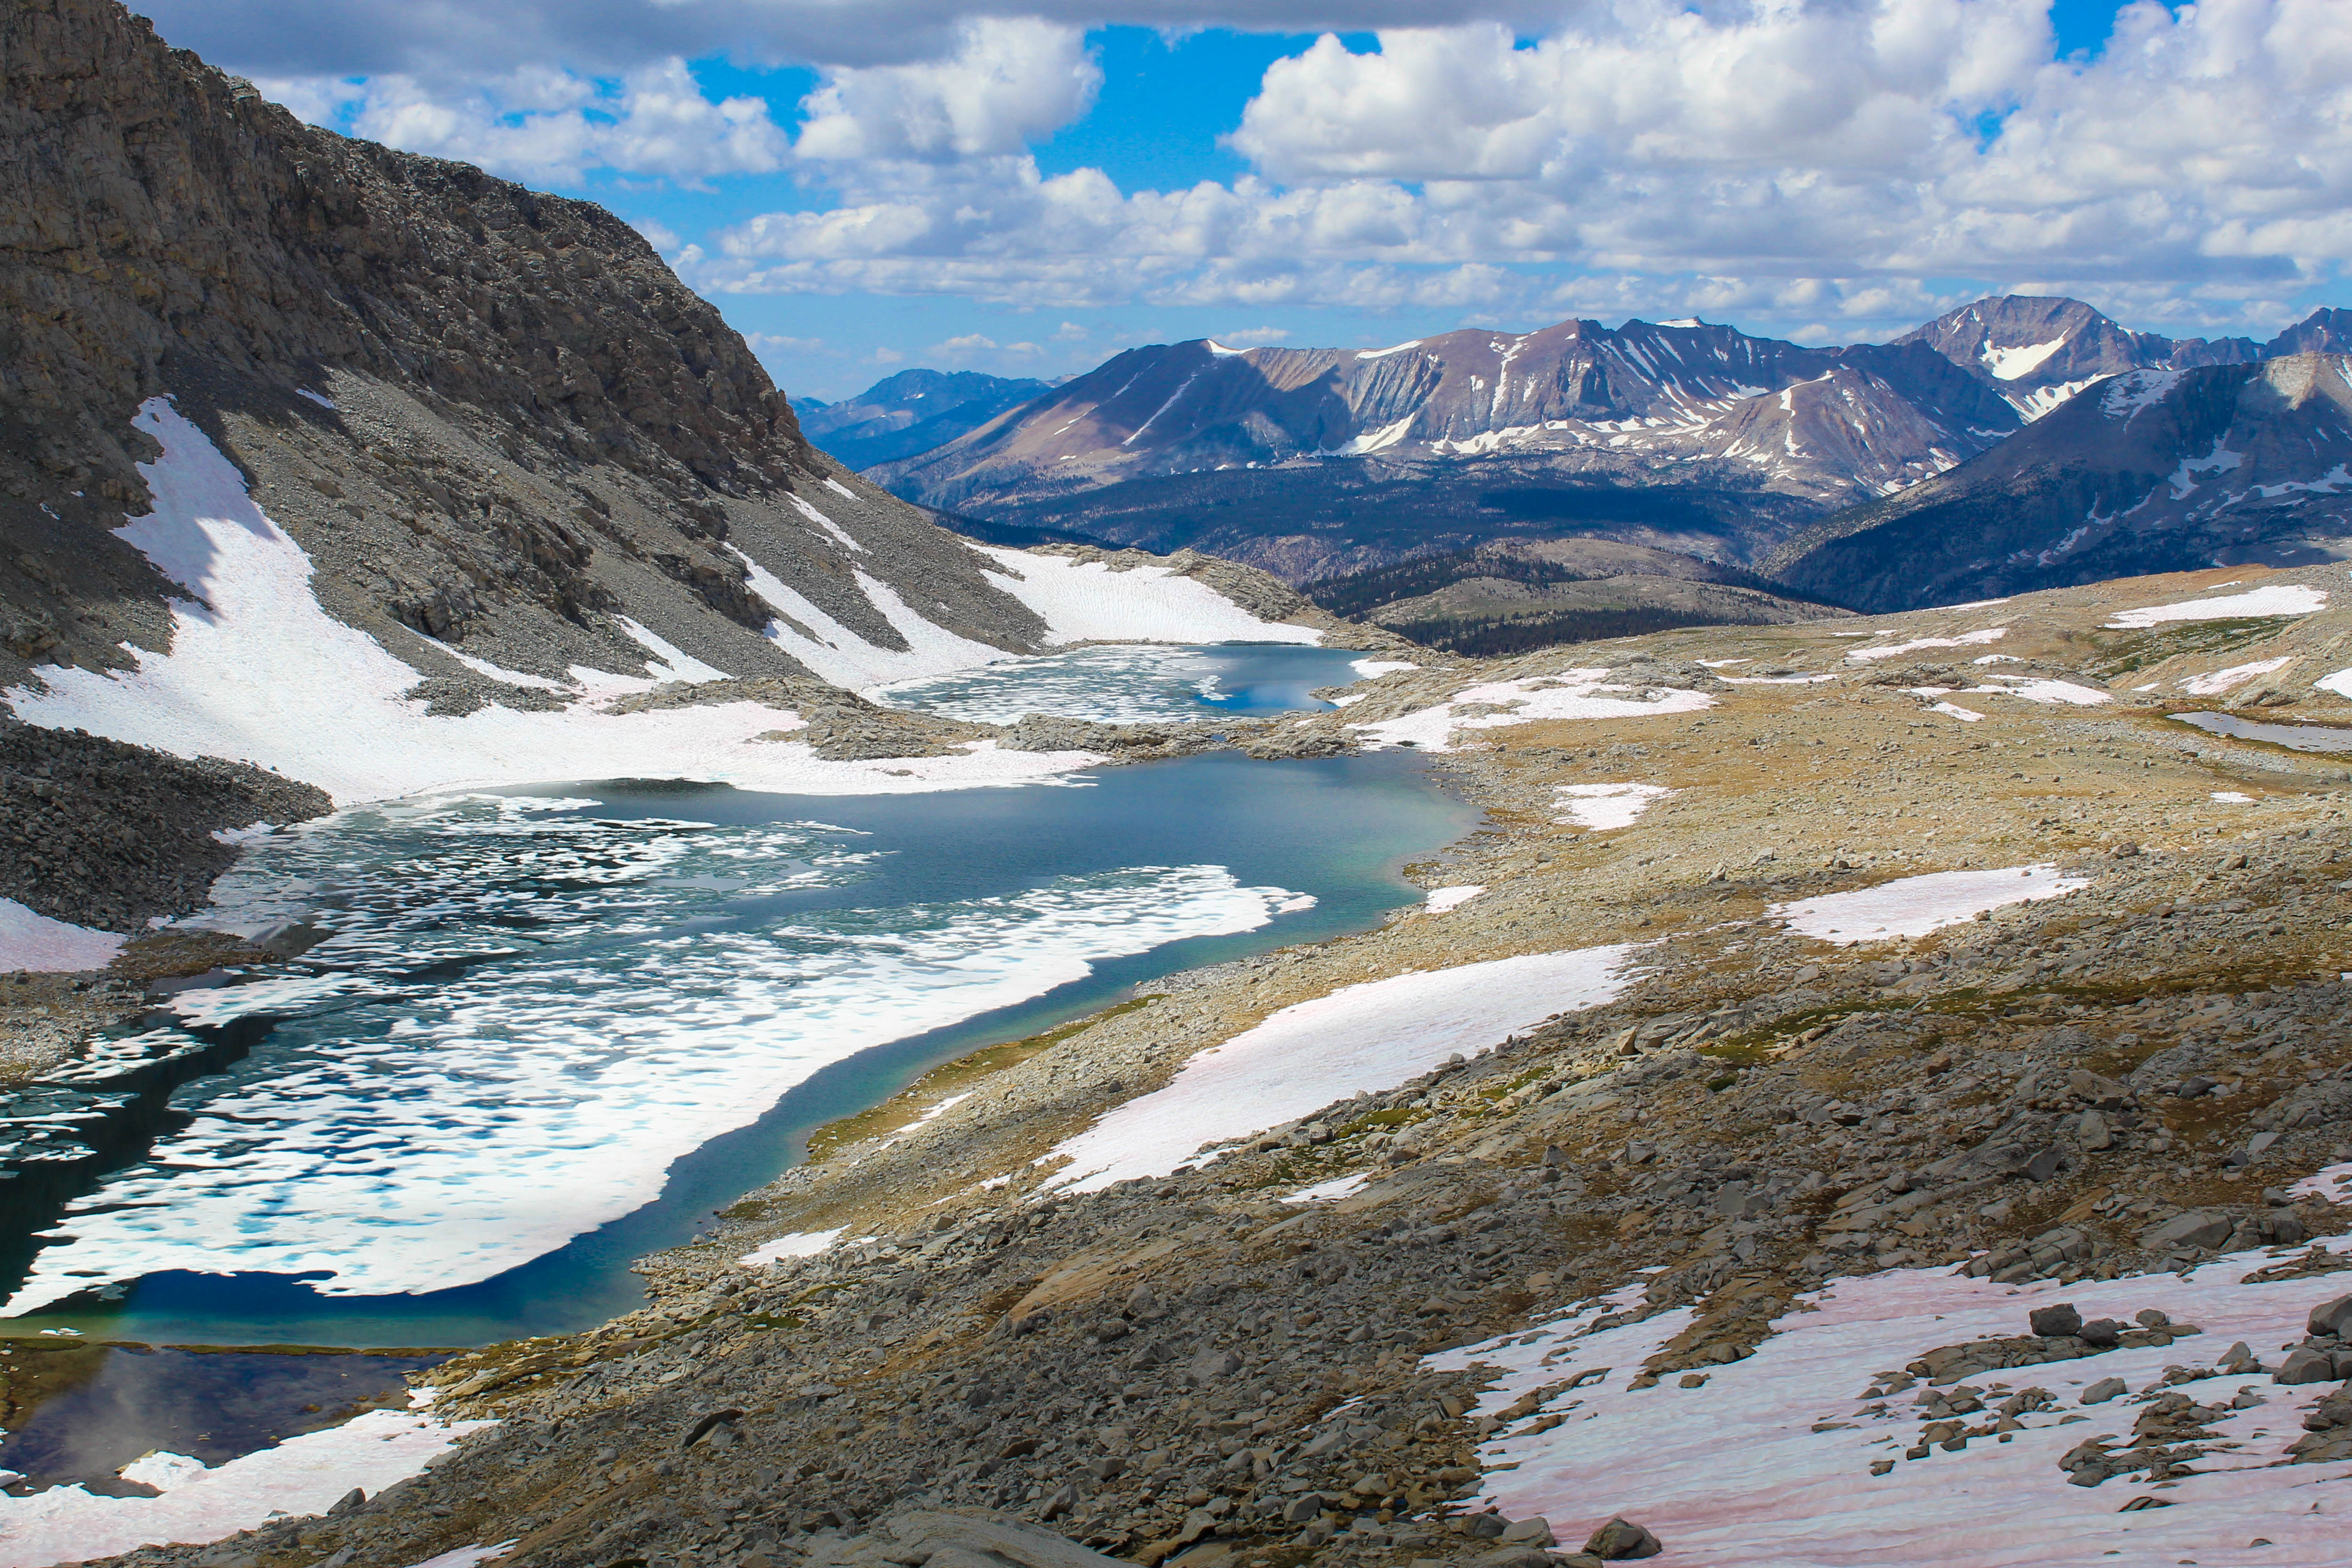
(1362, 1037)
(2284, 599)
(1892, 650)
(1913, 906)
(303, 1475)
(1768, 1464)
(28, 940)
(1570, 694)
(1602, 806)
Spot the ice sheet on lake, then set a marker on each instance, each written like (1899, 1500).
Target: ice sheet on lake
(1357, 1039)
(1570, 694)
(596, 1014)
(1913, 906)
(35, 941)
(2284, 599)
(1602, 806)
(301, 1476)
(1801, 1494)
(1110, 684)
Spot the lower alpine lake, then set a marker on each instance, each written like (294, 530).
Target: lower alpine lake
(537, 1034)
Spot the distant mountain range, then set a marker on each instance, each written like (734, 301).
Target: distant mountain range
(1685, 437)
(912, 412)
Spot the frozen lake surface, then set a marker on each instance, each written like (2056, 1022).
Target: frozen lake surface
(548, 1031)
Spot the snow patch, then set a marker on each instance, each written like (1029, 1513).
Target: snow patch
(2011, 364)
(799, 1243)
(315, 397)
(2048, 691)
(2222, 680)
(1085, 600)
(1391, 349)
(1441, 900)
(1966, 639)
(37, 942)
(1571, 694)
(1966, 715)
(1913, 906)
(2134, 390)
(1355, 1040)
(2233, 797)
(2286, 599)
(1602, 806)
(1337, 1187)
(1373, 668)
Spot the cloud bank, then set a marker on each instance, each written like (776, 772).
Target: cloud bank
(1856, 160)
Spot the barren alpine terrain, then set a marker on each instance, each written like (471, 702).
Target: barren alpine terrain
(1873, 1089)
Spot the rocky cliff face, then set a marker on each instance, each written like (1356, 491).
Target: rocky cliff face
(491, 418)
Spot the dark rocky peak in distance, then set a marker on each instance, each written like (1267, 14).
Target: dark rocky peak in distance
(2038, 351)
(2326, 331)
(2156, 470)
(912, 412)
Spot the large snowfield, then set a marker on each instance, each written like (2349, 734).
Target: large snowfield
(1768, 1463)
(258, 672)
(1355, 1040)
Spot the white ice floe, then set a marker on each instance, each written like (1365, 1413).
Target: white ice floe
(37, 942)
(1953, 709)
(1913, 906)
(2046, 692)
(1337, 1187)
(1601, 807)
(1768, 1463)
(301, 1476)
(1355, 1040)
(258, 672)
(1570, 694)
(1441, 900)
(2233, 796)
(1373, 668)
(1966, 639)
(2284, 599)
(799, 1243)
(2222, 680)
(541, 1099)
(1086, 601)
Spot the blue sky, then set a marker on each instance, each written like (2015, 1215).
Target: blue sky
(907, 181)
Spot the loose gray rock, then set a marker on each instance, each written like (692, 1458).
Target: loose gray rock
(1621, 1539)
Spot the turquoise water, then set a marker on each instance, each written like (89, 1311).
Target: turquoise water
(551, 1030)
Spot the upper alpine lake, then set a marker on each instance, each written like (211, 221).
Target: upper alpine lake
(546, 1031)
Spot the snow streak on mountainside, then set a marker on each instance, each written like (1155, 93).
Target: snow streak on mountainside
(2151, 470)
